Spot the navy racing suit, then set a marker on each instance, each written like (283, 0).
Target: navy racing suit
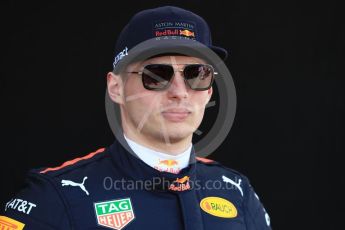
(113, 189)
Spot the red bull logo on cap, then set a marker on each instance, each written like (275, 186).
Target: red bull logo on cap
(174, 29)
(187, 33)
(167, 33)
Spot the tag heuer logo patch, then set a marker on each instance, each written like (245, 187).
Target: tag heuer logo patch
(114, 214)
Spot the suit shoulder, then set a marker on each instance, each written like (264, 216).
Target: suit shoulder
(38, 204)
(209, 164)
(72, 165)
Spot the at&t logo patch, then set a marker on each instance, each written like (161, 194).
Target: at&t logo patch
(20, 205)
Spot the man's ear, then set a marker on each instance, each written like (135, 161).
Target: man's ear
(115, 88)
(209, 93)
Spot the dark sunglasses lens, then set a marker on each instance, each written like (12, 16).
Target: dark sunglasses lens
(199, 77)
(157, 76)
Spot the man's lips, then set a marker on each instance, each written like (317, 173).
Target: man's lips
(176, 114)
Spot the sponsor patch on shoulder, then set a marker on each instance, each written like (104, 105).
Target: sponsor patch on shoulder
(10, 224)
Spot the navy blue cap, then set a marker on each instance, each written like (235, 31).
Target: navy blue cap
(163, 23)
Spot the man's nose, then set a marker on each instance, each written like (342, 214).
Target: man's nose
(178, 88)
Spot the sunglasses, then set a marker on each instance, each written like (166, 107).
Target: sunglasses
(159, 76)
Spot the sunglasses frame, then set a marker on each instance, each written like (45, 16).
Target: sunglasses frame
(174, 71)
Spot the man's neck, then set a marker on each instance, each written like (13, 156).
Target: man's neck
(161, 145)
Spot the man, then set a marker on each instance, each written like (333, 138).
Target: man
(150, 178)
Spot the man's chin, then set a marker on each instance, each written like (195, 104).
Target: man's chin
(176, 137)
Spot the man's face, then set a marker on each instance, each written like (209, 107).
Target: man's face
(169, 116)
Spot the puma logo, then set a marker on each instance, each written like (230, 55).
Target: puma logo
(71, 183)
(238, 185)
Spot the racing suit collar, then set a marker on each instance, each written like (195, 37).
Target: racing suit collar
(135, 169)
(159, 160)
